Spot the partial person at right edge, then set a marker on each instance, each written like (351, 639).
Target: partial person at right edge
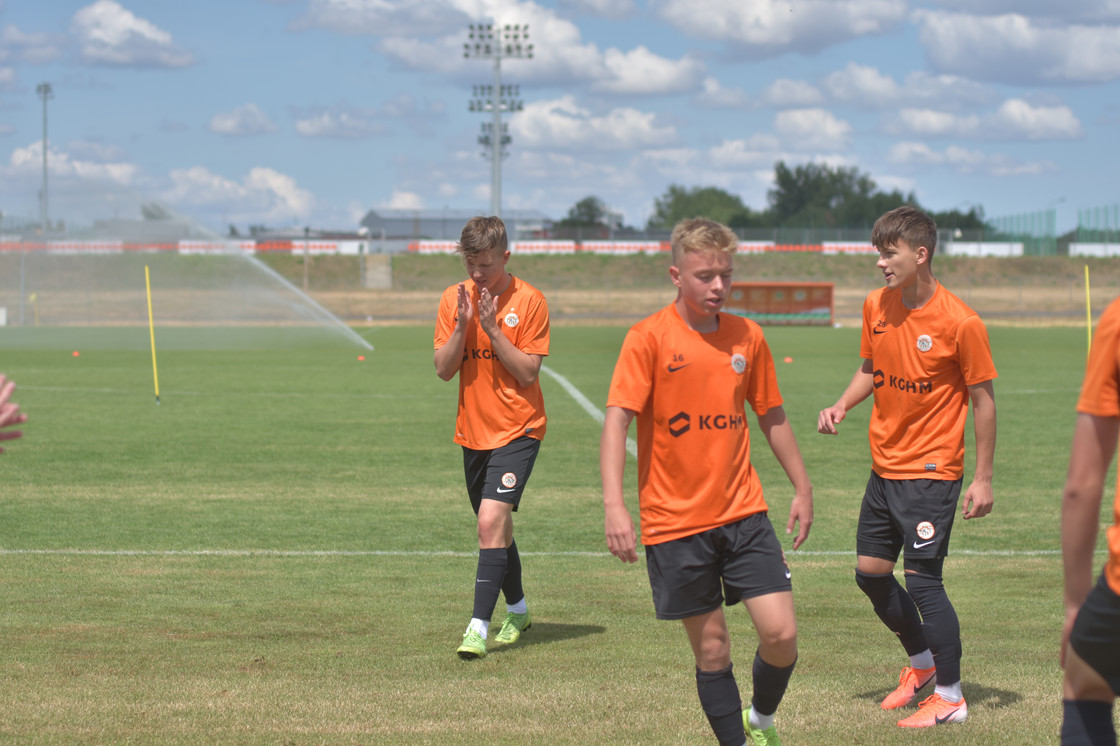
(1091, 631)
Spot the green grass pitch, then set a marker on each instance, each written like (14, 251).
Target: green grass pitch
(282, 552)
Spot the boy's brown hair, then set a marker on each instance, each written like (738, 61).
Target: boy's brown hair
(701, 234)
(905, 224)
(482, 235)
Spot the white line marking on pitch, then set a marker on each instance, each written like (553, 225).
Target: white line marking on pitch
(418, 553)
(583, 401)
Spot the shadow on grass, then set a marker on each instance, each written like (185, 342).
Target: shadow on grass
(546, 633)
(975, 694)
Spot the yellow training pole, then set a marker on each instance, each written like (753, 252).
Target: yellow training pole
(152, 331)
(1088, 315)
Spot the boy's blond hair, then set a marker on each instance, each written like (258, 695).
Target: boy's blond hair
(482, 235)
(701, 234)
(906, 224)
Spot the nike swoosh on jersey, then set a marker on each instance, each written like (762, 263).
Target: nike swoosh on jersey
(879, 331)
(675, 368)
(502, 492)
(916, 544)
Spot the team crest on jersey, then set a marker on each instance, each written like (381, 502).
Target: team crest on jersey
(925, 530)
(925, 344)
(511, 319)
(509, 480)
(738, 363)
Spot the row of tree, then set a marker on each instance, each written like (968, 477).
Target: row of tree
(812, 195)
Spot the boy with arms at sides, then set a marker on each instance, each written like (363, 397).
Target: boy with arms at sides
(493, 330)
(686, 373)
(1091, 632)
(925, 357)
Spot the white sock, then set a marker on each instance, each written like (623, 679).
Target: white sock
(760, 721)
(518, 608)
(951, 693)
(481, 626)
(922, 660)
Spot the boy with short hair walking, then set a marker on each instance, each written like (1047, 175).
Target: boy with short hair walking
(493, 331)
(685, 373)
(925, 355)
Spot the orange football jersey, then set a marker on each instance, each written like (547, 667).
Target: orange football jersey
(923, 362)
(688, 390)
(493, 408)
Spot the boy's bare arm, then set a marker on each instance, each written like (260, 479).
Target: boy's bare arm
(10, 414)
(978, 499)
(779, 434)
(449, 358)
(860, 387)
(622, 540)
(1094, 442)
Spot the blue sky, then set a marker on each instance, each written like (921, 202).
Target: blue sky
(292, 113)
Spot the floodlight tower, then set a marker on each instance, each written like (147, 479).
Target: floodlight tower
(483, 101)
(493, 42)
(44, 91)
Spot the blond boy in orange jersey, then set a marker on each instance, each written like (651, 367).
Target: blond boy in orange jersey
(925, 357)
(1091, 633)
(493, 331)
(685, 374)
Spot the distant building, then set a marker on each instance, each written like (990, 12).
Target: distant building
(447, 224)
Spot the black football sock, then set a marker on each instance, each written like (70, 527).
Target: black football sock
(511, 586)
(488, 582)
(719, 698)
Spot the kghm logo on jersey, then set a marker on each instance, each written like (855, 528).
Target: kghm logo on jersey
(738, 363)
(880, 379)
(681, 422)
(925, 344)
(511, 319)
(509, 480)
(925, 530)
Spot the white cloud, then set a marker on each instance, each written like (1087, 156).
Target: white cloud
(108, 34)
(36, 49)
(786, 93)
(613, 9)
(264, 195)
(27, 163)
(1076, 10)
(675, 159)
(1015, 119)
(812, 129)
(9, 81)
(404, 201)
(766, 28)
(966, 161)
(755, 152)
(867, 87)
(715, 96)
(566, 57)
(642, 72)
(562, 124)
(862, 85)
(1015, 49)
(339, 123)
(244, 120)
(385, 17)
